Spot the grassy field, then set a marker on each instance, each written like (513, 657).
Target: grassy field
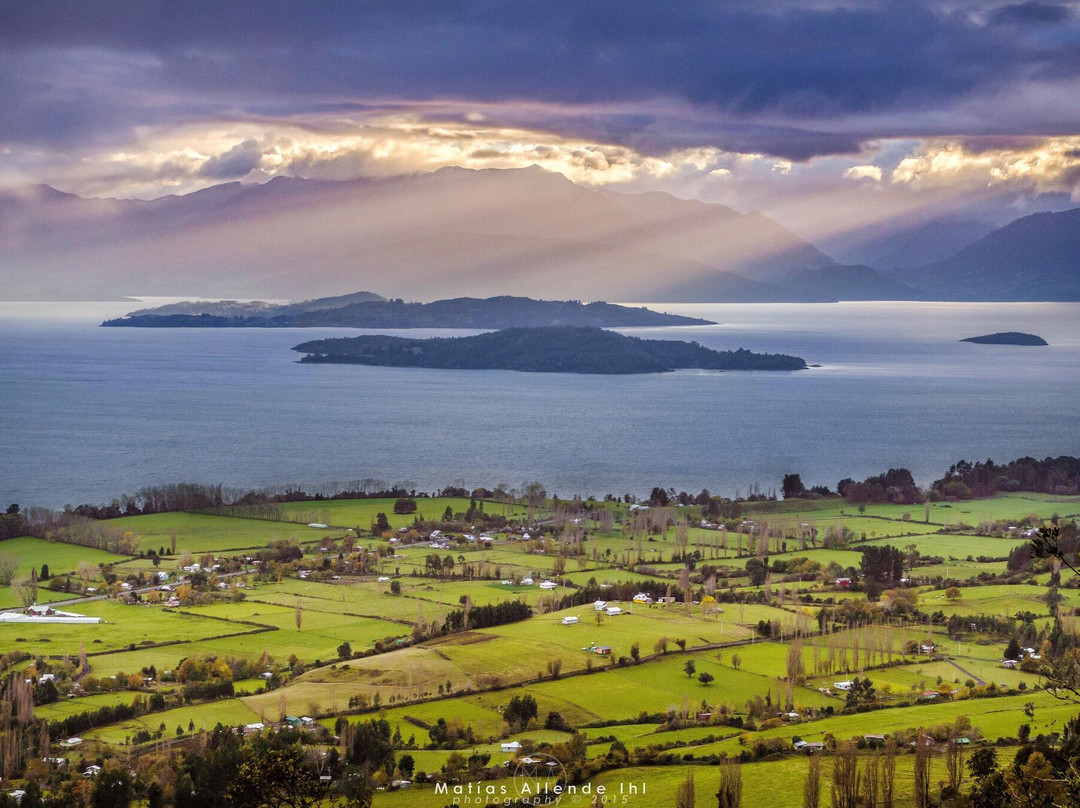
(768, 784)
(122, 627)
(361, 513)
(229, 713)
(958, 547)
(469, 676)
(61, 558)
(1003, 506)
(198, 533)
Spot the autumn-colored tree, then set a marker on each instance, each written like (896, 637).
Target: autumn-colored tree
(888, 775)
(730, 792)
(812, 786)
(684, 792)
(846, 778)
(1034, 784)
(871, 778)
(954, 760)
(8, 565)
(921, 770)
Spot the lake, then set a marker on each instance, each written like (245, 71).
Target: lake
(90, 413)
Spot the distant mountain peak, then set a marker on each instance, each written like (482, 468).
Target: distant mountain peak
(1036, 257)
(526, 231)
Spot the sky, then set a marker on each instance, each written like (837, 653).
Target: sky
(813, 111)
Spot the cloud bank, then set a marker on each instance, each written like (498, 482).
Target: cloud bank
(796, 102)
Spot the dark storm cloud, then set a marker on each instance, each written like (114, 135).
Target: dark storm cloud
(1031, 14)
(775, 80)
(239, 161)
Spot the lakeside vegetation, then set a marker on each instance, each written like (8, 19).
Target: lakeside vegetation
(408, 638)
(541, 350)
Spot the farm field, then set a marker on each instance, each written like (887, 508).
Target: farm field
(958, 547)
(121, 627)
(360, 513)
(230, 713)
(335, 640)
(199, 533)
(61, 558)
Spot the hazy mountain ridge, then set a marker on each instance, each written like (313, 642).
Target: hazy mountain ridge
(1034, 258)
(524, 232)
(897, 247)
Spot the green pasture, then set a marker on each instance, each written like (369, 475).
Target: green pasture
(61, 558)
(228, 712)
(199, 533)
(65, 708)
(994, 717)
(957, 570)
(11, 598)
(950, 546)
(366, 598)
(361, 513)
(621, 693)
(478, 711)
(450, 593)
(606, 576)
(1009, 506)
(122, 627)
(767, 784)
(309, 644)
(845, 558)
(908, 679)
(1003, 506)
(1000, 600)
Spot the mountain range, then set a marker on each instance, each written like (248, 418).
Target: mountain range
(505, 232)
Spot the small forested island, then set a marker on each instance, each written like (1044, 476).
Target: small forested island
(366, 310)
(560, 349)
(1007, 338)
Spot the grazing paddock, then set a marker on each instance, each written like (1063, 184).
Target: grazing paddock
(64, 708)
(122, 627)
(993, 717)
(610, 576)
(542, 658)
(61, 558)
(1000, 600)
(199, 533)
(361, 513)
(652, 687)
(227, 712)
(11, 598)
(349, 595)
(478, 711)
(951, 546)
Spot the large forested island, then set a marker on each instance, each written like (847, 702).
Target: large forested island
(373, 311)
(561, 349)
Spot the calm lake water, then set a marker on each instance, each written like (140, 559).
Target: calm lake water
(89, 413)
